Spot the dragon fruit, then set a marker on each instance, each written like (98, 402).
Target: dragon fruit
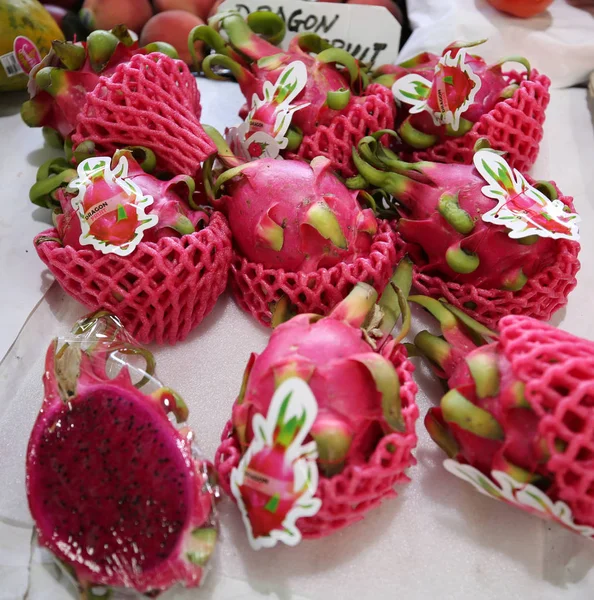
(519, 403)
(117, 492)
(332, 117)
(314, 225)
(464, 254)
(447, 103)
(59, 85)
(119, 225)
(365, 406)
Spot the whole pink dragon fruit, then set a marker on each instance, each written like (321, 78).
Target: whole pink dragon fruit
(59, 85)
(340, 107)
(521, 405)
(473, 262)
(508, 108)
(289, 217)
(118, 226)
(365, 406)
(117, 492)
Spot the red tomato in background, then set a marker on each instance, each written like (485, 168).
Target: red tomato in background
(521, 8)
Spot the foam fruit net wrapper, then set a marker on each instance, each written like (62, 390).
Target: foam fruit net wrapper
(346, 497)
(160, 292)
(257, 289)
(558, 370)
(154, 101)
(118, 490)
(513, 126)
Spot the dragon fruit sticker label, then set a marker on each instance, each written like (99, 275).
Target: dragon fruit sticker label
(264, 131)
(448, 97)
(522, 495)
(277, 477)
(523, 209)
(110, 207)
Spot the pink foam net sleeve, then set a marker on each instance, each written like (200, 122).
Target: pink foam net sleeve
(346, 497)
(151, 101)
(160, 292)
(257, 290)
(558, 371)
(366, 114)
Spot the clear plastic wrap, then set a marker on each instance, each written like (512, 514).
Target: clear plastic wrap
(116, 485)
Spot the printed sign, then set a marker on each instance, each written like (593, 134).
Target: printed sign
(523, 209)
(263, 133)
(522, 495)
(447, 97)
(110, 207)
(277, 477)
(369, 33)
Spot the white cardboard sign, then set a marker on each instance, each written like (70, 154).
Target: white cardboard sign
(369, 33)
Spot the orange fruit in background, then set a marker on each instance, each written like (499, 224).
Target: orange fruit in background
(521, 8)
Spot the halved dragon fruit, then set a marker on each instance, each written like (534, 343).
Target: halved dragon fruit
(464, 247)
(298, 233)
(517, 418)
(83, 93)
(159, 267)
(505, 107)
(339, 105)
(364, 428)
(118, 493)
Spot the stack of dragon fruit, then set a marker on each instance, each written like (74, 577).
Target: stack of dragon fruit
(344, 186)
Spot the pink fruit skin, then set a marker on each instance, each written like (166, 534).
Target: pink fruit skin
(500, 256)
(106, 14)
(110, 461)
(173, 27)
(166, 204)
(253, 200)
(200, 8)
(343, 388)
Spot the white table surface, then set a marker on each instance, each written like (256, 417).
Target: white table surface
(439, 539)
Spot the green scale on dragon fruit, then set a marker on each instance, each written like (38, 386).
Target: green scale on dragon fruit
(59, 84)
(116, 491)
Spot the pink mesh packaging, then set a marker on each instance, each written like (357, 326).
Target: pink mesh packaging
(516, 419)
(161, 292)
(447, 103)
(108, 92)
(488, 239)
(364, 438)
(337, 107)
(129, 243)
(117, 488)
(258, 289)
(149, 101)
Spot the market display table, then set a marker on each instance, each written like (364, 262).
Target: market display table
(439, 539)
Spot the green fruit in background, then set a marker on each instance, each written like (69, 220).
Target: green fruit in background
(25, 18)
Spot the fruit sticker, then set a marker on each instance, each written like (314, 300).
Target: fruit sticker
(26, 53)
(448, 96)
(111, 208)
(277, 477)
(522, 495)
(264, 131)
(523, 209)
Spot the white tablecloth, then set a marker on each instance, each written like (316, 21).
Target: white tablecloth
(439, 539)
